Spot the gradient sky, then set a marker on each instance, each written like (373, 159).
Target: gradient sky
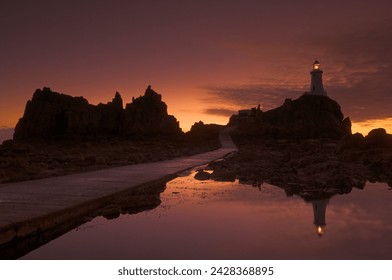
(207, 58)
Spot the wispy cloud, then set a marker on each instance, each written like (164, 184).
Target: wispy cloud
(234, 98)
(357, 74)
(361, 82)
(220, 111)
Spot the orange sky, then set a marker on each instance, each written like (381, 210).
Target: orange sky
(207, 60)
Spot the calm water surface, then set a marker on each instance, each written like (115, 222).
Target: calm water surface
(225, 220)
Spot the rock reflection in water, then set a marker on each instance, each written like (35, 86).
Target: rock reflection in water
(317, 196)
(207, 219)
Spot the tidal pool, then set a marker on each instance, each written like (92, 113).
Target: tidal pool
(229, 220)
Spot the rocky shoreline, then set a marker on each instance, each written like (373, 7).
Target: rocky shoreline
(310, 165)
(304, 143)
(20, 161)
(305, 147)
(60, 134)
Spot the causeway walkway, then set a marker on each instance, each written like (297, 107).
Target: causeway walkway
(30, 206)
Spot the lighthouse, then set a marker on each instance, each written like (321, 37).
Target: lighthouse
(316, 82)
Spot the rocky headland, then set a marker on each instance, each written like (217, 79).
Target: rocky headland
(60, 134)
(306, 147)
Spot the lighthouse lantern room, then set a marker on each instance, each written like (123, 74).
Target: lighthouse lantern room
(316, 82)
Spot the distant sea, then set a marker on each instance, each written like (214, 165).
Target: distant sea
(5, 134)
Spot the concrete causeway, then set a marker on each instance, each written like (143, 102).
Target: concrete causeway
(31, 206)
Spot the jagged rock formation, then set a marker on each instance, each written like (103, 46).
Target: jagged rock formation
(309, 116)
(52, 115)
(147, 115)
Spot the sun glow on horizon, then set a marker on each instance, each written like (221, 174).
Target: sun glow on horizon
(364, 127)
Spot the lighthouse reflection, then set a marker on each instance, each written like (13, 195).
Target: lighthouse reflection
(318, 197)
(319, 209)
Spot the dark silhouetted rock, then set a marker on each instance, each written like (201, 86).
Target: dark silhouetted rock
(147, 115)
(310, 116)
(52, 115)
(373, 151)
(200, 131)
(378, 138)
(375, 140)
(347, 126)
(202, 175)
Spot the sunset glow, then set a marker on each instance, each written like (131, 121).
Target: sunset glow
(206, 63)
(364, 127)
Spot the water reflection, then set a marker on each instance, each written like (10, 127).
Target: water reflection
(129, 202)
(319, 198)
(213, 219)
(319, 209)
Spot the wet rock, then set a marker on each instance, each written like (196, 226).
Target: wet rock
(223, 175)
(202, 175)
(111, 211)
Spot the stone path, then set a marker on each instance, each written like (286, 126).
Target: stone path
(26, 207)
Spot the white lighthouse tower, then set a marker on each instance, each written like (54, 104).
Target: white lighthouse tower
(316, 82)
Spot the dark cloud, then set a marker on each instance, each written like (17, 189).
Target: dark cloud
(360, 81)
(357, 74)
(234, 98)
(220, 111)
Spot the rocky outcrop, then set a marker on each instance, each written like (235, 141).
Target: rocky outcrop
(310, 116)
(201, 131)
(373, 151)
(52, 115)
(377, 139)
(147, 115)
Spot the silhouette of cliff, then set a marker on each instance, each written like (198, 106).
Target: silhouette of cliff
(51, 115)
(310, 116)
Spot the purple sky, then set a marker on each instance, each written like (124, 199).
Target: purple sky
(207, 58)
